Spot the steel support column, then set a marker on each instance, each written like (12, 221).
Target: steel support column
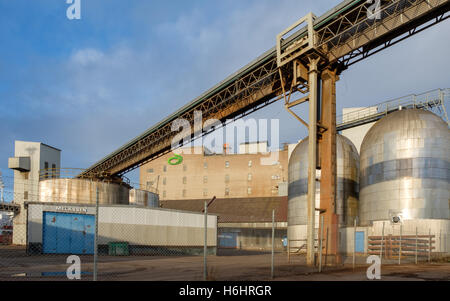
(327, 159)
(312, 158)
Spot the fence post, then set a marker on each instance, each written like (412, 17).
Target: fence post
(416, 244)
(400, 247)
(429, 245)
(288, 250)
(320, 243)
(96, 235)
(381, 246)
(326, 247)
(354, 242)
(205, 242)
(273, 242)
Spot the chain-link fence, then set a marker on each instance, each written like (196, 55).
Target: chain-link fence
(90, 241)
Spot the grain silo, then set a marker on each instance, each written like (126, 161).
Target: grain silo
(346, 190)
(405, 168)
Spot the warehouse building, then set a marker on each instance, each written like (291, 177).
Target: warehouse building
(57, 211)
(56, 228)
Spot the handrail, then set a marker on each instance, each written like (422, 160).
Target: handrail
(426, 100)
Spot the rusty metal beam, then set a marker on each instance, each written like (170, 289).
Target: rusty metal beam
(327, 159)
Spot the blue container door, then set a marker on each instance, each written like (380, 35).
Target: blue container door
(82, 235)
(49, 233)
(228, 240)
(66, 233)
(359, 242)
(89, 229)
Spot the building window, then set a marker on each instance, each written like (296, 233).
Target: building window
(25, 175)
(149, 184)
(184, 167)
(205, 192)
(250, 163)
(164, 181)
(205, 165)
(249, 177)
(150, 170)
(184, 192)
(275, 177)
(205, 179)
(184, 180)
(227, 164)
(249, 190)
(164, 168)
(227, 191)
(227, 178)
(164, 194)
(25, 195)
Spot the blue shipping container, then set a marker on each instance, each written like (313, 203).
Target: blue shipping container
(68, 233)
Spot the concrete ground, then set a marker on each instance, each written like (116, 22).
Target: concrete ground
(227, 265)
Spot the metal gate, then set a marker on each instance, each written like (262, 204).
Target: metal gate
(68, 233)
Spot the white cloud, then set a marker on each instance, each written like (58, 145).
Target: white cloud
(87, 56)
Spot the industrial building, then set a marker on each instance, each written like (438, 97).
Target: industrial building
(56, 211)
(203, 174)
(247, 191)
(243, 223)
(69, 229)
(398, 184)
(400, 177)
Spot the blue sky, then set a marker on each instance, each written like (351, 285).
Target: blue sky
(88, 86)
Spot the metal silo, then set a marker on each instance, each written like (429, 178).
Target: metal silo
(346, 190)
(405, 168)
(82, 191)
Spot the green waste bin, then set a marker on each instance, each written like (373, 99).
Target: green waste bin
(118, 248)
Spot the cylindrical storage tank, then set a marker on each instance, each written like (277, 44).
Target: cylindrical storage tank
(82, 191)
(405, 168)
(144, 198)
(347, 166)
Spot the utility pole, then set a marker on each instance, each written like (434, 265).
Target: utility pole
(96, 234)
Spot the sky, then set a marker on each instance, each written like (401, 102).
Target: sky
(89, 86)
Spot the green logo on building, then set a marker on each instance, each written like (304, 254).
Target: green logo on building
(175, 160)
